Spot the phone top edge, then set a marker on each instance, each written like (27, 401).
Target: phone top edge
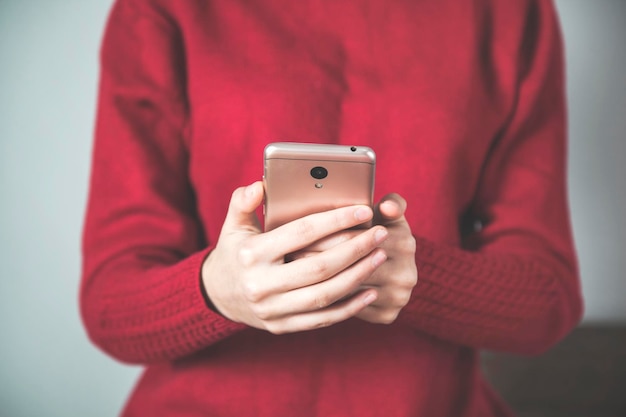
(319, 151)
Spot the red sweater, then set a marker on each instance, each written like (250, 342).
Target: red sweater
(463, 102)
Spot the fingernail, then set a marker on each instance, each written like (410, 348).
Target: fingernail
(380, 235)
(389, 203)
(379, 258)
(369, 298)
(363, 214)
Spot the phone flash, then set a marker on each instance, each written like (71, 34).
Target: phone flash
(318, 185)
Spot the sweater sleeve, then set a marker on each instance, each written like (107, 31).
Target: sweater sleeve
(143, 246)
(514, 286)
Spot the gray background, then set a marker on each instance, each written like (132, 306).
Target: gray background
(48, 78)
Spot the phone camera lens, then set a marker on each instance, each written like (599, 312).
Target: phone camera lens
(319, 173)
(353, 148)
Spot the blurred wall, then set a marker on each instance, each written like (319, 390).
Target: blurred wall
(48, 78)
(595, 45)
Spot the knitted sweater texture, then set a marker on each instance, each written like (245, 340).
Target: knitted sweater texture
(463, 103)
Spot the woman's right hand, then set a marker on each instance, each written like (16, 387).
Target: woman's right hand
(248, 281)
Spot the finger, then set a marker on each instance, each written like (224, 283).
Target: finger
(242, 209)
(375, 314)
(325, 317)
(325, 293)
(310, 270)
(333, 240)
(323, 265)
(391, 207)
(303, 232)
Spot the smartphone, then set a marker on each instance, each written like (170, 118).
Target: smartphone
(306, 178)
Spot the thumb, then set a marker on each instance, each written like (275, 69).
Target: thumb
(242, 209)
(390, 208)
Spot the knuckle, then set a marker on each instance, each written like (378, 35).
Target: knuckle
(343, 219)
(275, 329)
(408, 280)
(247, 255)
(402, 298)
(408, 243)
(320, 324)
(318, 268)
(394, 300)
(401, 295)
(252, 291)
(321, 301)
(389, 316)
(344, 237)
(362, 248)
(304, 228)
(261, 312)
(339, 220)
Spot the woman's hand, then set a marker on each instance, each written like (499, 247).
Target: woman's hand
(396, 278)
(247, 280)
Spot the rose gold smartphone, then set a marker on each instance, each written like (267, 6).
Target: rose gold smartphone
(306, 178)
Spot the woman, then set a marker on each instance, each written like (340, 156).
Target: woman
(463, 103)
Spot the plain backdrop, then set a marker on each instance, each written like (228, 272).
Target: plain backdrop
(48, 79)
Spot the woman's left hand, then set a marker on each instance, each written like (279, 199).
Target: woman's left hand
(395, 278)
